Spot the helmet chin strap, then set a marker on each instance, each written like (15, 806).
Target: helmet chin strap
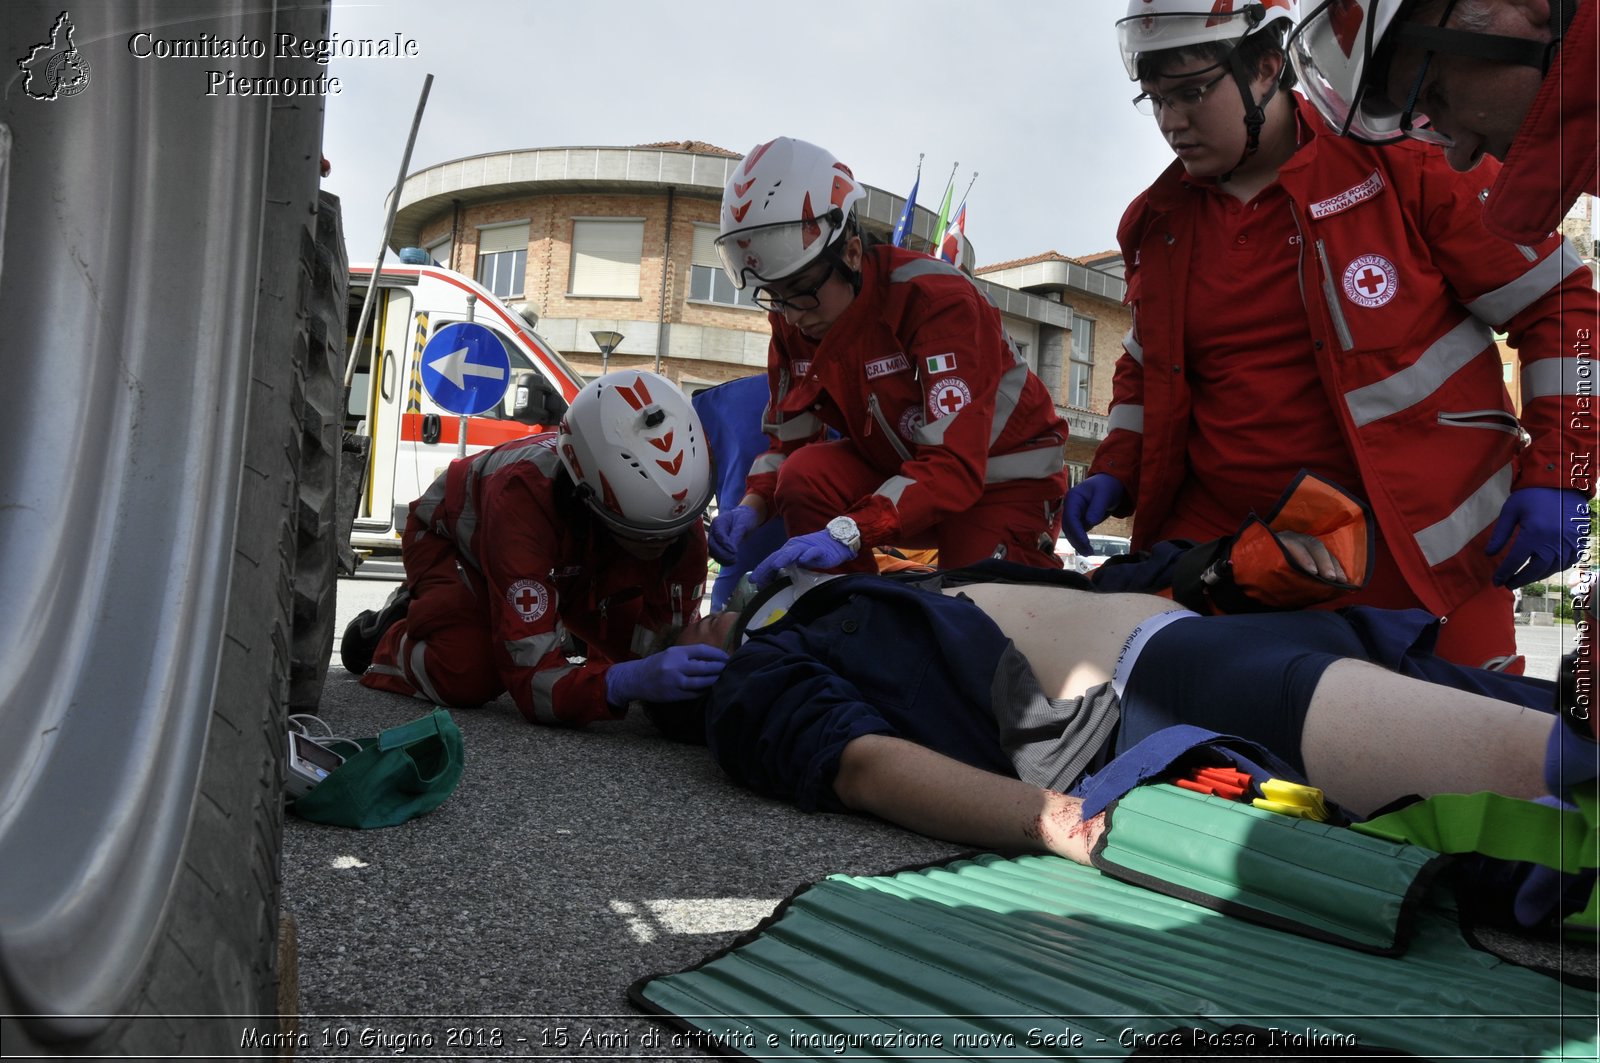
(1255, 112)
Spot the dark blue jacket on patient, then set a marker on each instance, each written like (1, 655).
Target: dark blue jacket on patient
(855, 656)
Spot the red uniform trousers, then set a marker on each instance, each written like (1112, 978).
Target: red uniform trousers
(443, 649)
(822, 480)
(1480, 631)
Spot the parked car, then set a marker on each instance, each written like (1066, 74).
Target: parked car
(1104, 546)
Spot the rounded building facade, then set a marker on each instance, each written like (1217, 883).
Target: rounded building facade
(611, 239)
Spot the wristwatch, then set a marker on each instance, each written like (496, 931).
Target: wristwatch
(845, 533)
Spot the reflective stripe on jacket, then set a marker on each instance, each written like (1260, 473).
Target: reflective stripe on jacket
(919, 374)
(1414, 372)
(548, 571)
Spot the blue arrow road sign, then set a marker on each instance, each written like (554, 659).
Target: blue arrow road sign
(465, 368)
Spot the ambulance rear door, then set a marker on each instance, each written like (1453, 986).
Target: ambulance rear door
(377, 399)
(417, 437)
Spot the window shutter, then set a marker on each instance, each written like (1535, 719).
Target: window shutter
(502, 238)
(705, 246)
(605, 257)
(442, 252)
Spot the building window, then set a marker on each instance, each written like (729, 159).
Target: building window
(605, 257)
(442, 251)
(708, 281)
(1080, 372)
(503, 259)
(1077, 472)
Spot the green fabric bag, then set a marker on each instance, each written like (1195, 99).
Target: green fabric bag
(403, 772)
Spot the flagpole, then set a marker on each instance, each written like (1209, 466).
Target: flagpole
(944, 212)
(969, 189)
(958, 216)
(908, 212)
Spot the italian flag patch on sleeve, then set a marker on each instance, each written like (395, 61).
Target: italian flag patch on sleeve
(941, 363)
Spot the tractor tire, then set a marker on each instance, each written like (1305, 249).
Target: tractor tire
(172, 569)
(320, 531)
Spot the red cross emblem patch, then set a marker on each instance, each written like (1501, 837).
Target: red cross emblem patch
(949, 396)
(1370, 280)
(910, 421)
(529, 598)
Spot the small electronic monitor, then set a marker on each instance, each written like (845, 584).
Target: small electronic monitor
(309, 764)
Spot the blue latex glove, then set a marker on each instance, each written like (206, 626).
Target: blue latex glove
(728, 531)
(676, 673)
(815, 550)
(1546, 534)
(1545, 895)
(1087, 505)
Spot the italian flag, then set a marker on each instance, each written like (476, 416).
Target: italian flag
(941, 363)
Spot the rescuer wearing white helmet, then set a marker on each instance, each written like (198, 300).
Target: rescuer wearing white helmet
(593, 531)
(946, 438)
(1305, 301)
(1514, 79)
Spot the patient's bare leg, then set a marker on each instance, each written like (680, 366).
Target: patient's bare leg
(1371, 736)
(924, 791)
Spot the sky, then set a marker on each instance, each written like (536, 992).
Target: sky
(1029, 94)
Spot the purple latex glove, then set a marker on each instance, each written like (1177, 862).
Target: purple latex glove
(1087, 505)
(1549, 523)
(1546, 895)
(728, 531)
(676, 673)
(816, 550)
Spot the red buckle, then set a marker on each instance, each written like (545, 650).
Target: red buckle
(1219, 782)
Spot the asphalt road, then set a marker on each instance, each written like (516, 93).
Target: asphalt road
(565, 866)
(511, 921)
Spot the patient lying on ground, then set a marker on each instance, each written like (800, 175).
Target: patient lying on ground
(964, 709)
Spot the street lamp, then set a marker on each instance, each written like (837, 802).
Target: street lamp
(607, 342)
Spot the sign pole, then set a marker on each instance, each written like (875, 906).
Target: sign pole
(461, 426)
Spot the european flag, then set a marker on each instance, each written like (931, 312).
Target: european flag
(902, 228)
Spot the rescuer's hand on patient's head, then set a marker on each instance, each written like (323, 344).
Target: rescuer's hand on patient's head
(711, 630)
(729, 530)
(1087, 505)
(676, 673)
(816, 550)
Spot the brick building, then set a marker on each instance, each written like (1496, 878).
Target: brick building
(620, 239)
(1077, 361)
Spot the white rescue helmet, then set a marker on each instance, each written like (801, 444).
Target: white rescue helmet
(787, 202)
(1332, 52)
(1159, 25)
(635, 447)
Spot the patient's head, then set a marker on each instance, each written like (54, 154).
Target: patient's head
(686, 720)
(714, 629)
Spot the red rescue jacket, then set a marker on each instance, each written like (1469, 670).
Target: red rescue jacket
(919, 374)
(549, 571)
(1413, 377)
